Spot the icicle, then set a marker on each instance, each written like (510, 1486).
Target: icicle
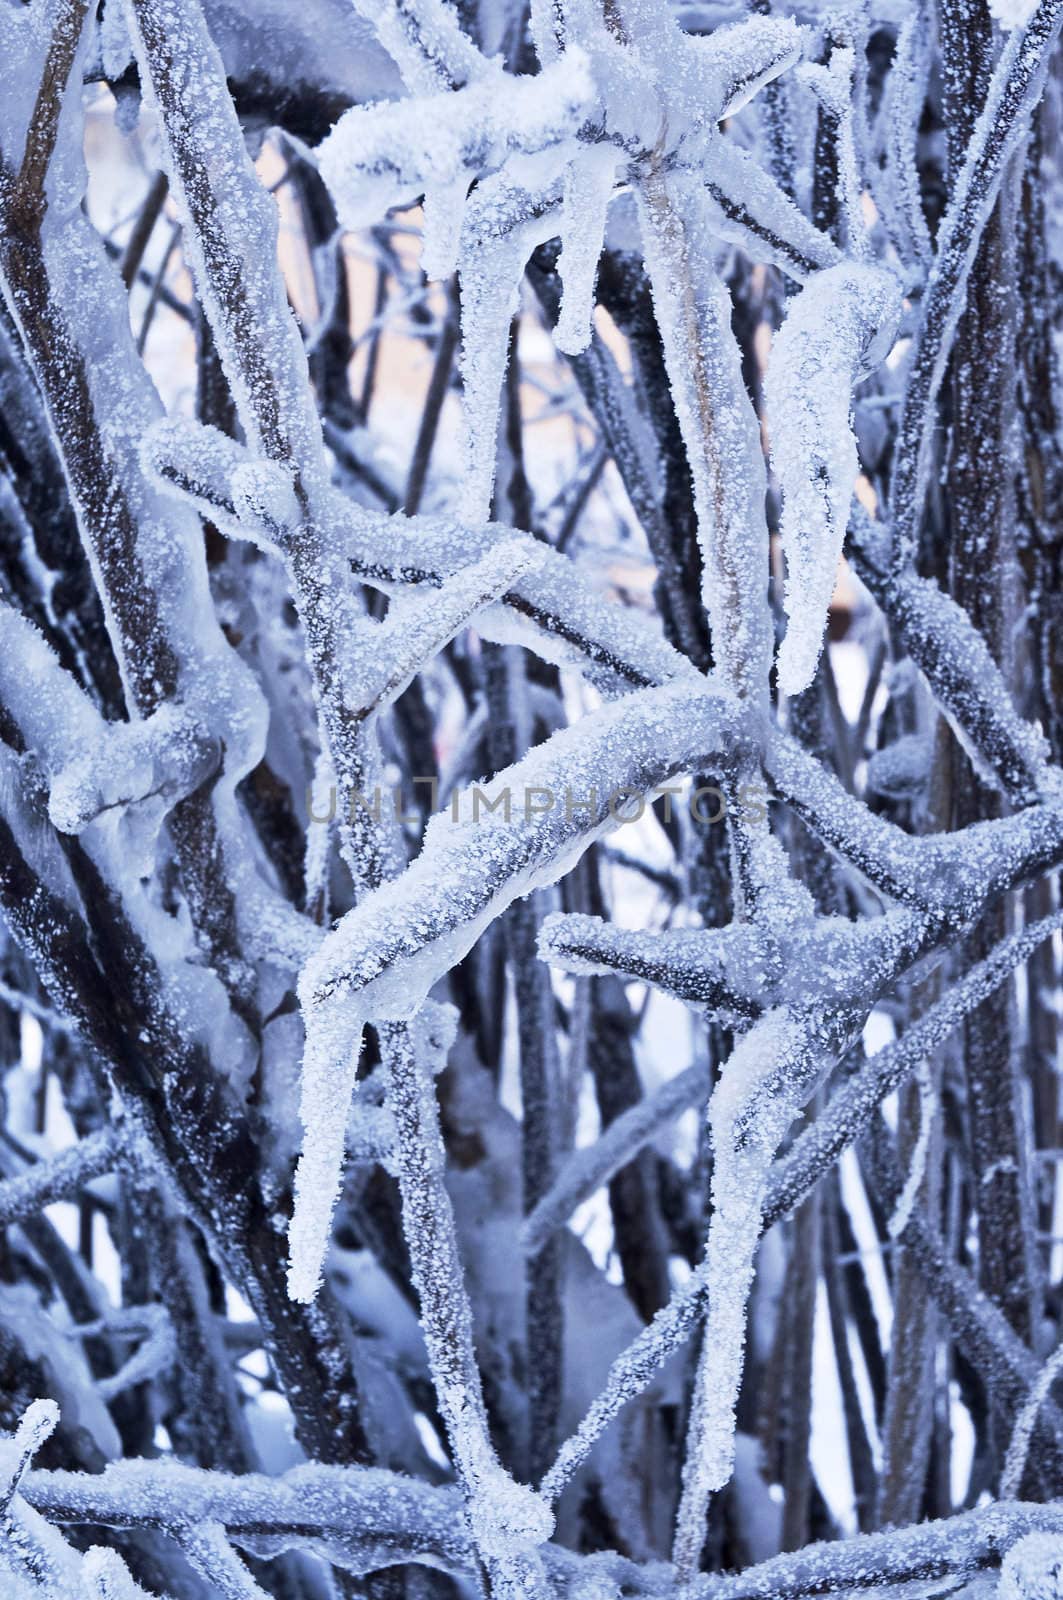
(838, 329)
(444, 210)
(329, 1073)
(506, 219)
(760, 1091)
(588, 189)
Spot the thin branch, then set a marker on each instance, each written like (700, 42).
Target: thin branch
(60, 1177)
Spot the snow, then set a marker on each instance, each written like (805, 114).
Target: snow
(389, 155)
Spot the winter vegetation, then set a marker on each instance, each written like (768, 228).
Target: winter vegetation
(531, 799)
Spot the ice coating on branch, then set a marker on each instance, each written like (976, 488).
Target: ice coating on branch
(93, 765)
(516, 833)
(747, 206)
(389, 154)
(705, 79)
(589, 1168)
(833, 87)
(852, 1105)
(164, 578)
(745, 57)
(165, 757)
(386, 656)
(719, 427)
(663, 89)
(1016, 86)
(917, 1166)
(520, 832)
(147, 559)
(903, 768)
(724, 971)
(552, 609)
(1025, 1422)
(1007, 751)
(838, 329)
(903, 104)
(506, 1517)
(264, 495)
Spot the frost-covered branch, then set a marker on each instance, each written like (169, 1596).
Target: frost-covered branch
(588, 1169)
(550, 607)
(368, 1517)
(1017, 84)
(956, 1547)
(859, 1097)
(957, 663)
(62, 1175)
